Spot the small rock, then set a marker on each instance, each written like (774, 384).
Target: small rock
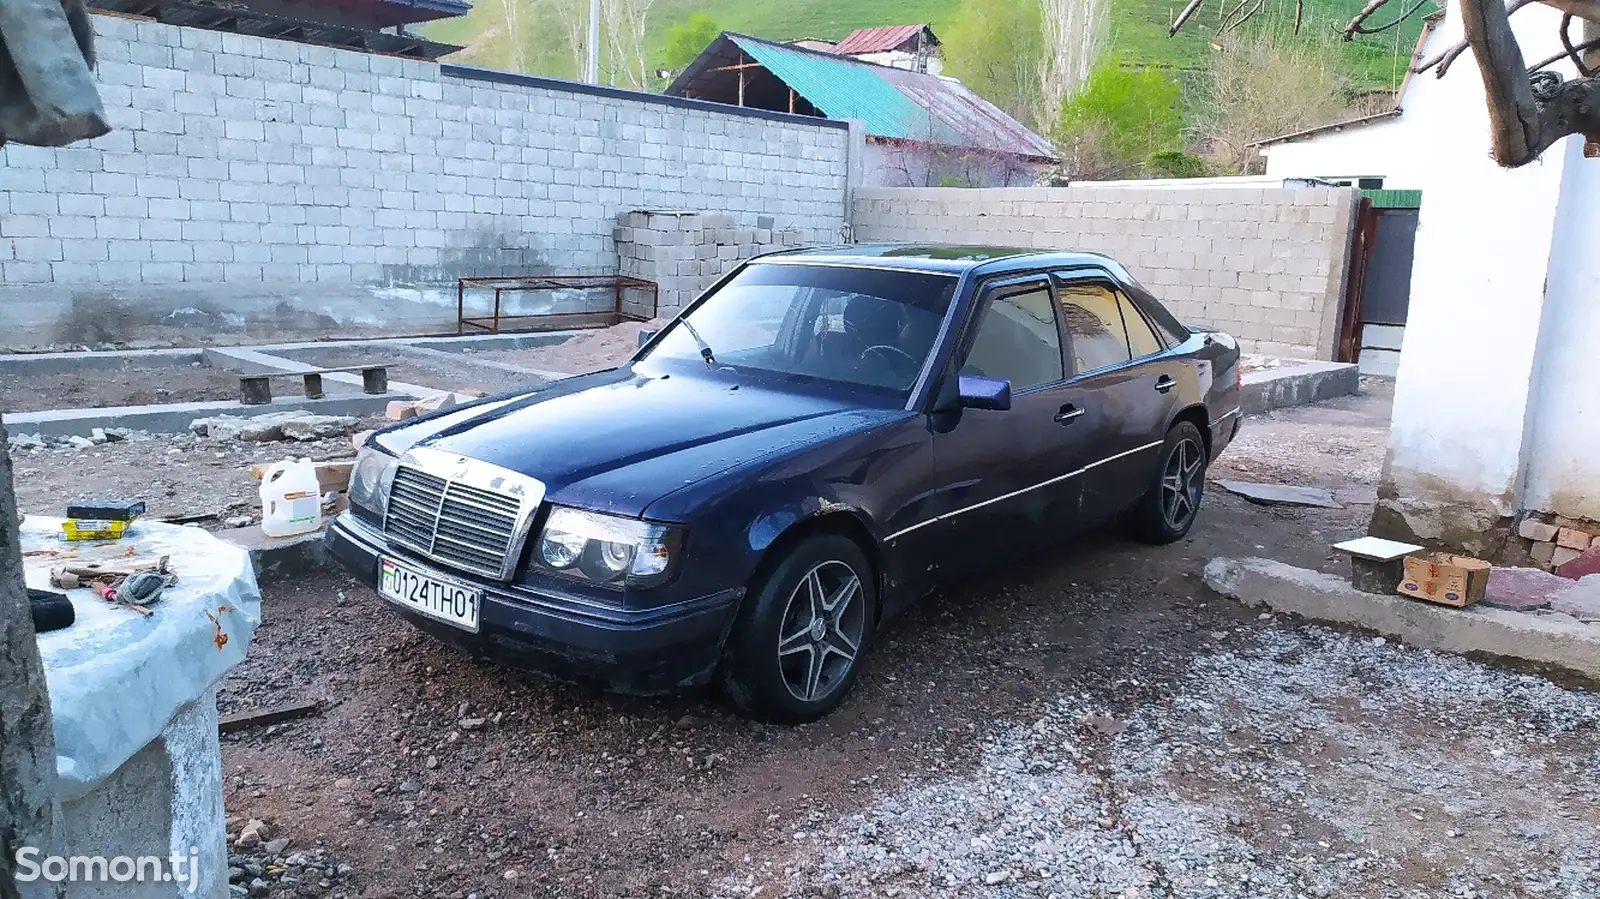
(239, 521)
(97, 436)
(259, 887)
(77, 442)
(276, 847)
(511, 874)
(472, 723)
(432, 762)
(409, 786)
(344, 783)
(994, 878)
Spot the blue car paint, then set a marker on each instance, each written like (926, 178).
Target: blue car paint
(742, 460)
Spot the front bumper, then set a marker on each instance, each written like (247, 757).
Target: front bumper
(629, 651)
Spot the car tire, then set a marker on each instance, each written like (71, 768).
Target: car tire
(789, 657)
(1168, 509)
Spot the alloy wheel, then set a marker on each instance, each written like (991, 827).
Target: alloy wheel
(1181, 481)
(821, 630)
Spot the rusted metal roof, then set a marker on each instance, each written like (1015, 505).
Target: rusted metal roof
(881, 40)
(895, 104)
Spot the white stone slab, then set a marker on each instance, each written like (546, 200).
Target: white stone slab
(117, 678)
(1376, 548)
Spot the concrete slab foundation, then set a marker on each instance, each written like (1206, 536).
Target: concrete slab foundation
(1298, 384)
(279, 558)
(174, 418)
(1549, 640)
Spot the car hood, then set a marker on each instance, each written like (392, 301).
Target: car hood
(619, 440)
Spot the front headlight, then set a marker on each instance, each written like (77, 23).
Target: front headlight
(608, 549)
(370, 480)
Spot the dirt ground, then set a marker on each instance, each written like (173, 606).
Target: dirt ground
(177, 476)
(1092, 724)
(589, 351)
(128, 386)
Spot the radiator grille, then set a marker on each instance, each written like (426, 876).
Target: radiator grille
(452, 523)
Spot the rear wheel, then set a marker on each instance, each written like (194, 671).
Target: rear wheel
(797, 645)
(1168, 508)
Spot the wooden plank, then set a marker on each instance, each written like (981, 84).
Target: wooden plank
(241, 720)
(371, 366)
(332, 477)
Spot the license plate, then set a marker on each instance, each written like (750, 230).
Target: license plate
(434, 597)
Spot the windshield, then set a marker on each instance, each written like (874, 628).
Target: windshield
(865, 327)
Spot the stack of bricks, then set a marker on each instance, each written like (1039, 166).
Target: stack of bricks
(687, 252)
(1557, 540)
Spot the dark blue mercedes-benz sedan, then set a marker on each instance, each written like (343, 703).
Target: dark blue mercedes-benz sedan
(813, 444)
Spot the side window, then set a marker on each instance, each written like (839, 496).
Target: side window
(1141, 339)
(1017, 340)
(1094, 324)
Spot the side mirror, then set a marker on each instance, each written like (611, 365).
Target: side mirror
(644, 337)
(984, 393)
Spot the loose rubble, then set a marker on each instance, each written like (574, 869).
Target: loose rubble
(263, 863)
(293, 425)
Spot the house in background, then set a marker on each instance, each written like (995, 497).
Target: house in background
(1495, 412)
(922, 130)
(911, 47)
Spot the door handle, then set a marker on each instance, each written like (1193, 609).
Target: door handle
(1165, 383)
(1068, 413)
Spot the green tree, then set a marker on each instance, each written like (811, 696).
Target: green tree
(1121, 118)
(996, 48)
(685, 40)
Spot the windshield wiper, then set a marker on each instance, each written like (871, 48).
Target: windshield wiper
(705, 348)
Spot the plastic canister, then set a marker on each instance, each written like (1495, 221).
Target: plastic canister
(291, 499)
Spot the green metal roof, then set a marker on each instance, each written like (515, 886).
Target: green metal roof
(1394, 199)
(842, 89)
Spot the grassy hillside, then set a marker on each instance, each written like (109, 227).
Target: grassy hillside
(1138, 29)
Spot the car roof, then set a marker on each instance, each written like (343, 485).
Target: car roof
(942, 259)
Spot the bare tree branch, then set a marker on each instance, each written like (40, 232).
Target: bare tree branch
(1356, 27)
(1582, 9)
(1566, 44)
(1191, 9)
(1557, 57)
(1522, 124)
(1230, 23)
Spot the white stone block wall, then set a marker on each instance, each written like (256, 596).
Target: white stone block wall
(263, 183)
(685, 253)
(1265, 264)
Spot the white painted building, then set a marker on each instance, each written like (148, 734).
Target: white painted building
(1495, 412)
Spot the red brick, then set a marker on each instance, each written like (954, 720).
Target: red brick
(1522, 589)
(1572, 538)
(1574, 568)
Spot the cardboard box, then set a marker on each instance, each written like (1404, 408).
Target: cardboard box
(1445, 578)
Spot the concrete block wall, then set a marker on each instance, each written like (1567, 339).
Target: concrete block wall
(256, 188)
(1265, 264)
(686, 252)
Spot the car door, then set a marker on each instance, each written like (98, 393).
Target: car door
(1128, 384)
(1004, 477)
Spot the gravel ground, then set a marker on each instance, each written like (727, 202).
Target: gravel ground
(1291, 762)
(128, 386)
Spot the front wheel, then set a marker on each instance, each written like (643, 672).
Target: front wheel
(796, 648)
(1168, 508)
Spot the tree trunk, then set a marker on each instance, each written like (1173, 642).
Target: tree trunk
(27, 743)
